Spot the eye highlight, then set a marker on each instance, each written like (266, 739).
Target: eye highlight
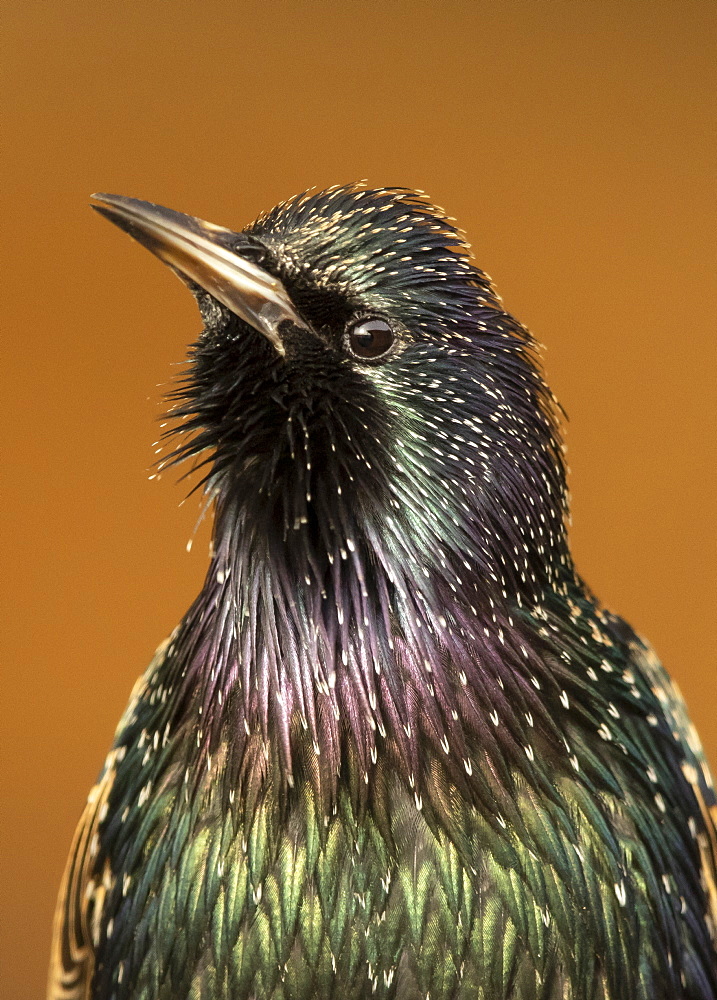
(370, 338)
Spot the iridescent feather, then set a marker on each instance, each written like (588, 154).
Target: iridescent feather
(396, 748)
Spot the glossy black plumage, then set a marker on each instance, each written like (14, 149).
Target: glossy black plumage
(396, 748)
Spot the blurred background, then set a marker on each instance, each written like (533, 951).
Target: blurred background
(574, 144)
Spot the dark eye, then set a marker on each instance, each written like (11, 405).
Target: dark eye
(370, 338)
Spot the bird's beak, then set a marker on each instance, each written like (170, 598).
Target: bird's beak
(198, 250)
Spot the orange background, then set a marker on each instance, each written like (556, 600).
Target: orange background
(571, 141)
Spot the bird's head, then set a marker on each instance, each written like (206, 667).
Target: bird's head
(359, 394)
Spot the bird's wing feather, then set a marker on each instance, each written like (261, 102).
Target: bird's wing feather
(707, 841)
(694, 768)
(79, 904)
(78, 914)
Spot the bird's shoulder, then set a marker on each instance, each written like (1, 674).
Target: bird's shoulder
(87, 878)
(695, 768)
(671, 720)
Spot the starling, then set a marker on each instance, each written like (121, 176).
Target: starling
(396, 748)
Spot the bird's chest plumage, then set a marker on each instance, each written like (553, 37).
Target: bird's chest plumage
(295, 904)
(399, 893)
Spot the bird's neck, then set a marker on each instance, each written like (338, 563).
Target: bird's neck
(347, 659)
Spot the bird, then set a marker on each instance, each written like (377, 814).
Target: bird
(396, 748)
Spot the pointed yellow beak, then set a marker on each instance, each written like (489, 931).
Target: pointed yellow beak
(200, 251)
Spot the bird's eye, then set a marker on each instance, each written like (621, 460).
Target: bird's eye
(370, 338)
